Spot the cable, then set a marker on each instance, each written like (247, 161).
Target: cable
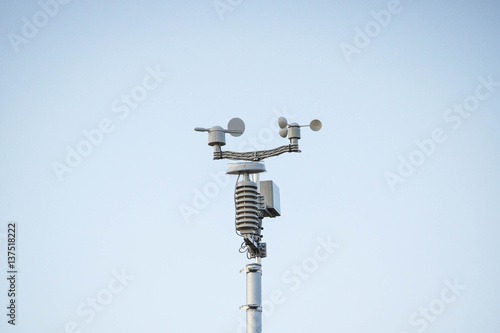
(256, 155)
(243, 248)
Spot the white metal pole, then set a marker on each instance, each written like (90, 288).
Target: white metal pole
(254, 287)
(254, 298)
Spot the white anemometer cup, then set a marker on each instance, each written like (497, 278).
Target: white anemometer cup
(293, 130)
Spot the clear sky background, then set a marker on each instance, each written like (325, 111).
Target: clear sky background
(136, 233)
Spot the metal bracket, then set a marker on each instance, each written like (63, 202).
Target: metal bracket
(263, 250)
(252, 245)
(256, 249)
(252, 268)
(251, 306)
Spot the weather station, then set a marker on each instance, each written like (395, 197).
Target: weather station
(254, 200)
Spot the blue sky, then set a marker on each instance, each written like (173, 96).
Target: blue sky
(390, 216)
